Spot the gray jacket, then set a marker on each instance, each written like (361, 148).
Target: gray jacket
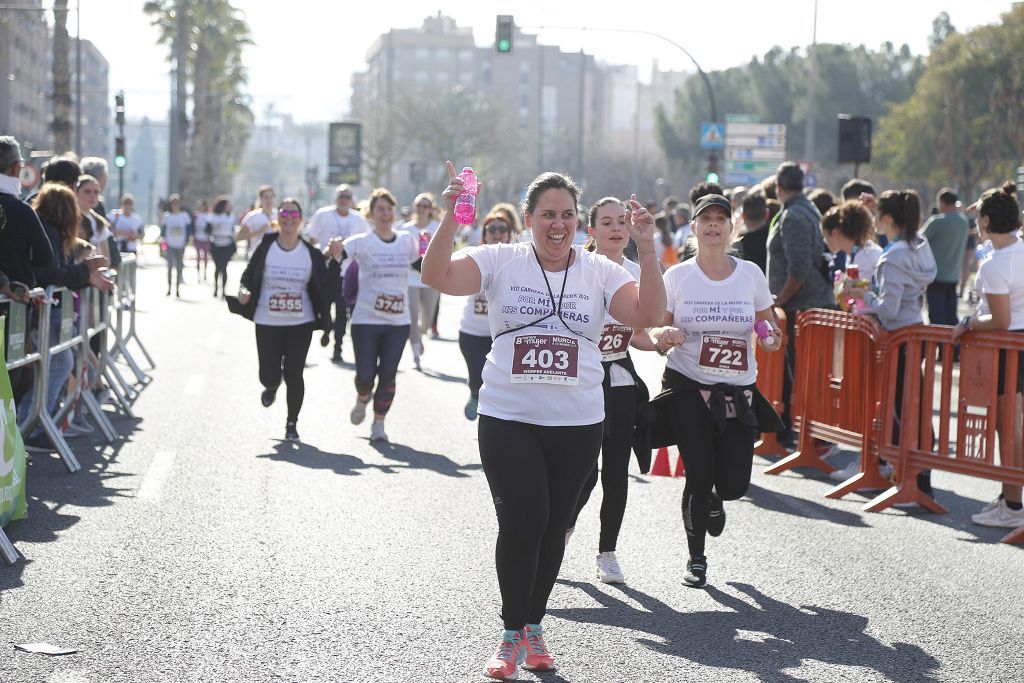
(904, 272)
(796, 249)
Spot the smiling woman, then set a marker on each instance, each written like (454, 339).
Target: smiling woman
(541, 405)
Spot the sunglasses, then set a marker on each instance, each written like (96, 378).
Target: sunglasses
(344, 196)
(496, 227)
(424, 206)
(285, 213)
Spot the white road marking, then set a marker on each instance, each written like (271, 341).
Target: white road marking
(194, 386)
(156, 476)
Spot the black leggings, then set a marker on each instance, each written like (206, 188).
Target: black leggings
(713, 461)
(221, 256)
(282, 349)
(378, 350)
(474, 351)
(535, 475)
(620, 419)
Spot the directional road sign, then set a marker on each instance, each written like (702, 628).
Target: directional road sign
(753, 150)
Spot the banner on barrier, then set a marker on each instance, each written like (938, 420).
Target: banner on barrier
(12, 460)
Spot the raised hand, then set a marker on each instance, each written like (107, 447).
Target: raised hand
(454, 188)
(640, 223)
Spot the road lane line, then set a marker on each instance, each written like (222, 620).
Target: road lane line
(153, 481)
(194, 386)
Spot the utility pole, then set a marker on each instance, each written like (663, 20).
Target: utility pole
(812, 92)
(179, 121)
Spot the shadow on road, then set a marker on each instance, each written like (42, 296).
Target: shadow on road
(434, 374)
(421, 460)
(767, 499)
(310, 456)
(763, 636)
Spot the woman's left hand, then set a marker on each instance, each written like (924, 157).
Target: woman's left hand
(640, 223)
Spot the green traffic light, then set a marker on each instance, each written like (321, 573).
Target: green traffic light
(504, 46)
(120, 161)
(711, 178)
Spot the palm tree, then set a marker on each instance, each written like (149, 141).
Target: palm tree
(61, 73)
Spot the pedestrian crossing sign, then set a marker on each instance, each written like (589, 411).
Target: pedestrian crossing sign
(712, 135)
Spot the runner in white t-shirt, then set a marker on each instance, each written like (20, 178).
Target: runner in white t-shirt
(713, 303)
(126, 225)
(423, 300)
(623, 390)
(201, 239)
(221, 226)
(288, 279)
(337, 221)
(1000, 284)
(380, 318)
(541, 405)
(175, 226)
(475, 329)
(261, 220)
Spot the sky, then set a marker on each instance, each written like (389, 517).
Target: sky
(306, 50)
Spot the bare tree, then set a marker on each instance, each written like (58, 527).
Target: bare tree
(61, 74)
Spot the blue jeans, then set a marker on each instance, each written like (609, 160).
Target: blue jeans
(942, 301)
(61, 366)
(378, 349)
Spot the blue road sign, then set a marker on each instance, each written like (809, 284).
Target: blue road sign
(712, 135)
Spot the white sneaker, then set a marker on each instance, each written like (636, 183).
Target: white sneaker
(358, 413)
(993, 505)
(608, 570)
(568, 535)
(1000, 516)
(850, 470)
(834, 450)
(377, 431)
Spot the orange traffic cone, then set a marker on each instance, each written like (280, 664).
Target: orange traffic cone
(661, 467)
(680, 468)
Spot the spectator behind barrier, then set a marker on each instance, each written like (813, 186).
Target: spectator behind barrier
(1000, 283)
(848, 229)
(946, 233)
(797, 266)
(23, 244)
(753, 245)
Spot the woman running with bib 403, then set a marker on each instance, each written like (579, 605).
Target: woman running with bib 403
(541, 405)
(713, 303)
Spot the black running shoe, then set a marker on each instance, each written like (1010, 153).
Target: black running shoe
(716, 516)
(696, 572)
(268, 396)
(290, 432)
(325, 339)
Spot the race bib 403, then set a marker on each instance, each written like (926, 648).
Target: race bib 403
(545, 359)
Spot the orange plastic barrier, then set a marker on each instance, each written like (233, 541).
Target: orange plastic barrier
(771, 371)
(837, 389)
(975, 416)
(661, 466)
(680, 467)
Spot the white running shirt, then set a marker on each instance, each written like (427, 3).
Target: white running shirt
(383, 277)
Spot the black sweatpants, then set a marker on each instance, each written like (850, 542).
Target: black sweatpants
(620, 419)
(474, 351)
(535, 475)
(282, 350)
(713, 461)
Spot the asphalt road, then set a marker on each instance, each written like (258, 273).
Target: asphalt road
(202, 547)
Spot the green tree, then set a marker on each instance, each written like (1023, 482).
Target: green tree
(962, 125)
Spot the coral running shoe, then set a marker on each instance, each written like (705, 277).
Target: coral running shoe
(504, 665)
(537, 656)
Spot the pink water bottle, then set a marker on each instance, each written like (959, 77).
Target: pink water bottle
(465, 203)
(764, 332)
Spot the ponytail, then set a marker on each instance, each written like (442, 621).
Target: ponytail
(904, 208)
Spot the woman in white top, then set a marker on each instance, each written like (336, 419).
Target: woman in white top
(127, 225)
(221, 227)
(95, 227)
(380, 318)
(285, 291)
(201, 238)
(261, 220)
(623, 390)
(541, 405)
(475, 330)
(714, 301)
(1000, 285)
(175, 226)
(422, 299)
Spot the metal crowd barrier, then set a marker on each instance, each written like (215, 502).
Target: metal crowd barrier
(95, 320)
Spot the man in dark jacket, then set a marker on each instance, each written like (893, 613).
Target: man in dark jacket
(23, 244)
(797, 265)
